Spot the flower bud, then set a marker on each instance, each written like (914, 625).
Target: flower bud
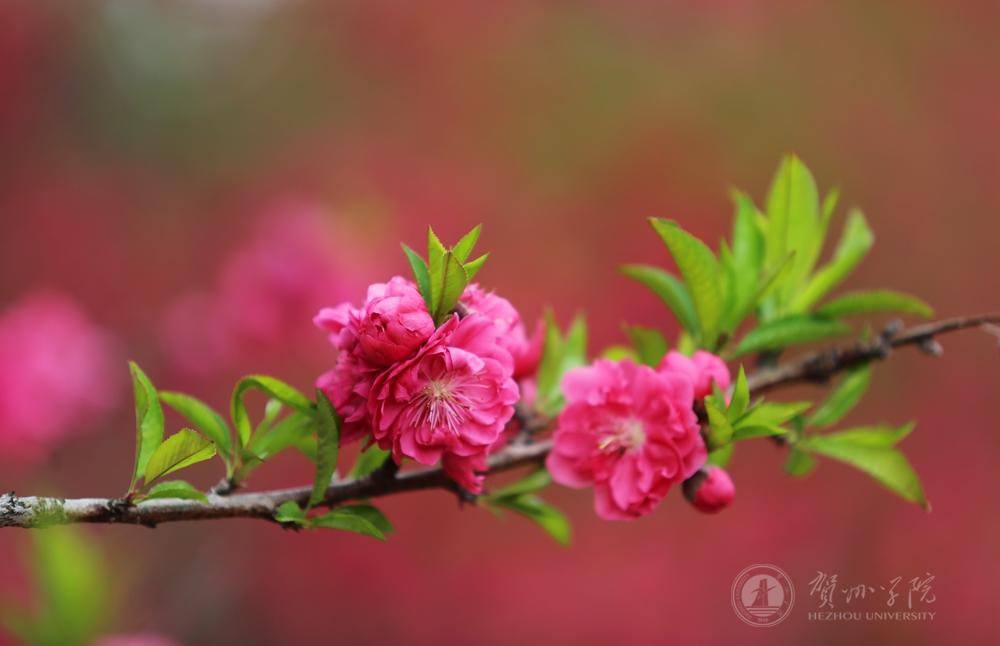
(710, 490)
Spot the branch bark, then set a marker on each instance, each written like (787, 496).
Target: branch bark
(819, 367)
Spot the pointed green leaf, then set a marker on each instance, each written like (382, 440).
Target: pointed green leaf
(179, 451)
(203, 418)
(843, 398)
(369, 461)
(855, 242)
(875, 436)
(875, 301)
(274, 388)
(799, 462)
(749, 432)
(649, 344)
(175, 489)
(370, 513)
(794, 222)
(472, 268)
(550, 519)
(746, 264)
(448, 291)
(884, 463)
(721, 457)
(741, 397)
(464, 247)
(670, 290)
(788, 331)
(772, 413)
(700, 270)
(436, 267)
(347, 520)
(532, 483)
(720, 431)
(327, 446)
(559, 355)
(294, 430)
(421, 274)
(148, 421)
(290, 512)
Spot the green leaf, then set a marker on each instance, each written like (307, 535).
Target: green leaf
(550, 519)
(875, 436)
(179, 451)
(175, 489)
(649, 344)
(148, 421)
(448, 288)
(532, 483)
(747, 261)
(203, 418)
(290, 512)
(619, 352)
(420, 274)
(875, 301)
(720, 431)
(884, 463)
(670, 290)
(464, 247)
(559, 355)
(772, 413)
(294, 430)
(274, 388)
(793, 222)
(436, 266)
(346, 519)
(472, 268)
(854, 245)
(721, 457)
(700, 270)
(741, 397)
(370, 513)
(747, 432)
(799, 462)
(369, 461)
(788, 331)
(327, 446)
(843, 398)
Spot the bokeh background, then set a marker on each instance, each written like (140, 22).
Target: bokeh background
(196, 176)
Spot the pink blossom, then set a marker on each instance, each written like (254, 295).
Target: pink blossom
(56, 374)
(628, 431)
(710, 490)
(454, 397)
(702, 369)
(390, 327)
(511, 333)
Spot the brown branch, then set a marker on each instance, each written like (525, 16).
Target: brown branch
(820, 366)
(34, 511)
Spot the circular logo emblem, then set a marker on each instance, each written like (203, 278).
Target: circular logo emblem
(763, 595)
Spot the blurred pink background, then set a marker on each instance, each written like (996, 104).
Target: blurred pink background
(145, 146)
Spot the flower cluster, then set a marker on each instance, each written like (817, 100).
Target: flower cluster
(630, 431)
(428, 393)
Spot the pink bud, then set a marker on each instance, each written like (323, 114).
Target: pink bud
(710, 490)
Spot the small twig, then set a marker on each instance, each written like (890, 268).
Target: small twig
(820, 366)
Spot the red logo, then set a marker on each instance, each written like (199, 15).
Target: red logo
(763, 595)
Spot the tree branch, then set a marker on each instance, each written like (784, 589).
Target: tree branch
(29, 512)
